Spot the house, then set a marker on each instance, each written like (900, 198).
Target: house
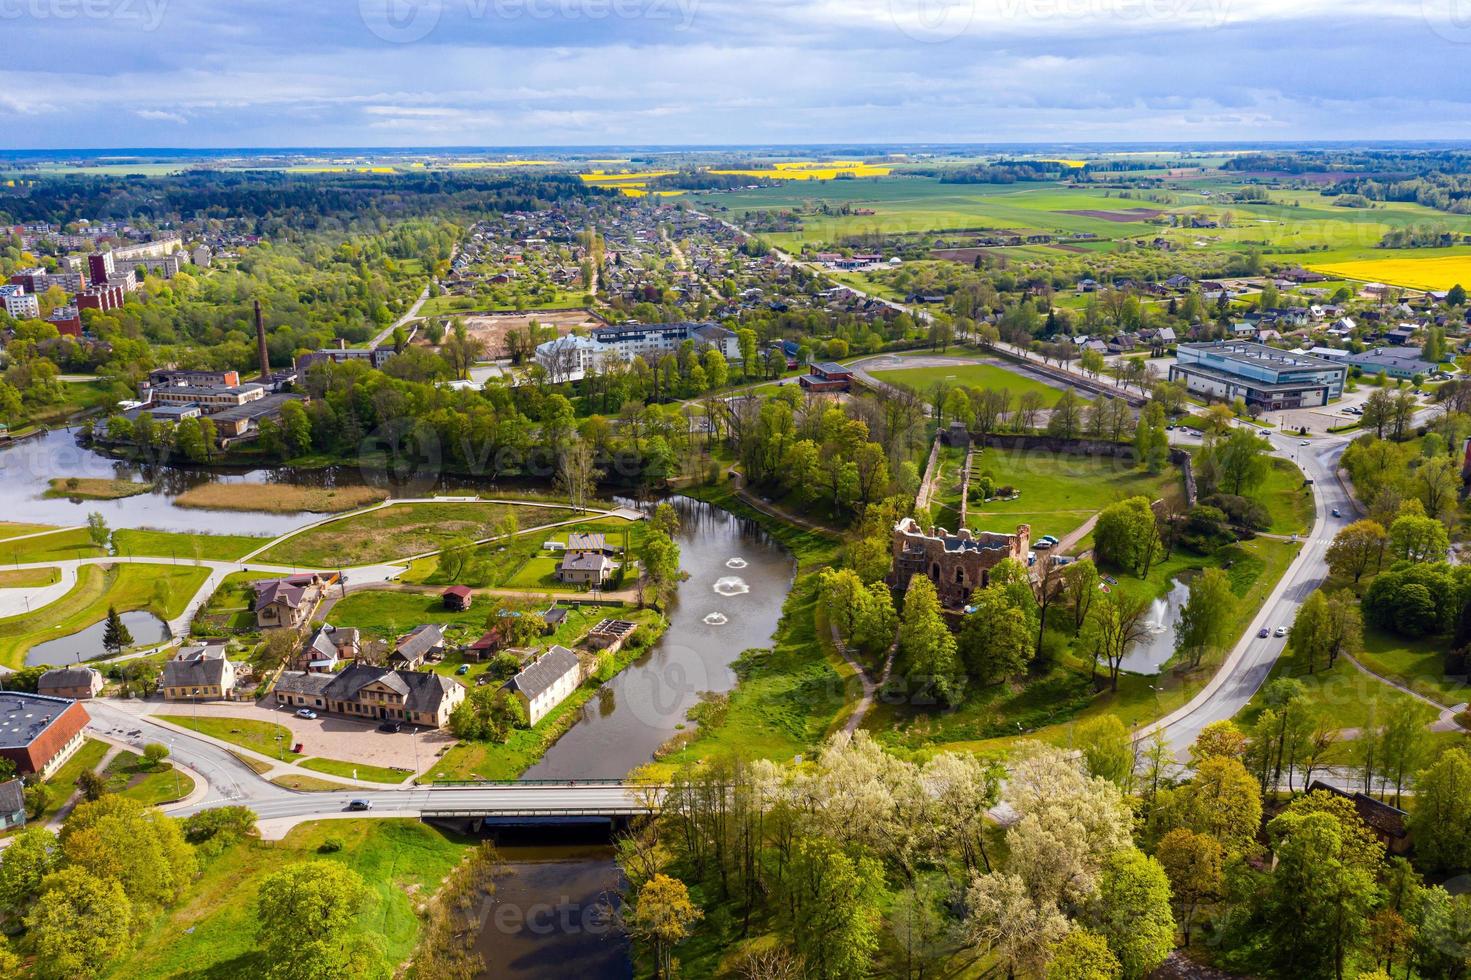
(77, 683)
(413, 648)
(611, 634)
(199, 673)
(491, 642)
(12, 804)
(1387, 822)
(457, 598)
(286, 603)
(327, 649)
(585, 568)
(579, 541)
(546, 682)
(39, 733)
(374, 694)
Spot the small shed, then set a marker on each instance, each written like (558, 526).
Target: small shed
(457, 598)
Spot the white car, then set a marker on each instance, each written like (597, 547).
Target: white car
(1280, 631)
(307, 713)
(1304, 443)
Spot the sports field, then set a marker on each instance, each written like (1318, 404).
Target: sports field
(977, 375)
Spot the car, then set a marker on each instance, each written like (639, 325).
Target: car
(1041, 545)
(1280, 631)
(1336, 513)
(360, 805)
(391, 727)
(464, 669)
(307, 713)
(1050, 538)
(1304, 442)
(1263, 633)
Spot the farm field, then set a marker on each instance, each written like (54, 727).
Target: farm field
(977, 375)
(1438, 273)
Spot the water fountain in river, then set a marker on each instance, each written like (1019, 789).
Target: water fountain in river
(736, 563)
(716, 619)
(729, 585)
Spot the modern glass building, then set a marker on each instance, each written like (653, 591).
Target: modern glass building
(1264, 376)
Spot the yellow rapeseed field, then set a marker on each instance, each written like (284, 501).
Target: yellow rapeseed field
(813, 170)
(1441, 272)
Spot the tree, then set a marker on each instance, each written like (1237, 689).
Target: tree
(663, 915)
(1206, 618)
(1127, 536)
(78, 925)
(995, 639)
(117, 837)
(97, 529)
(1067, 416)
(1418, 538)
(1241, 461)
(830, 908)
(1115, 624)
(1132, 911)
(1221, 800)
(1082, 955)
(155, 753)
(1311, 636)
(1440, 817)
(1193, 864)
(578, 474)
(1108, 750)
(24, 865)
(1003, 917)
(1402, 744)
(927, 648)
(306, 922)
(1356, 547)
(116, 637)
(659, 558)
(1082, 580)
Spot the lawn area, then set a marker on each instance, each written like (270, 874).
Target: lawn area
(280, 498)
(1344, 694)
(977, 375)
(269, 739)
(401, 531)
(10, 530)
(948, 491)
(163, 590)
(390, 613)
(202, 546)
(1287, 500)
(1059, 492)
(309, 784)
(64, 783)
(232, 606)
(29, 578)
(76, 488)
(212, 931)
(130, 774)
(1417, 664)
(356, 770)
(75, 543)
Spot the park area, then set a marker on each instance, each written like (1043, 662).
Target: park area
(1056, 493)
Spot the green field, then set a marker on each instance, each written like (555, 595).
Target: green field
(1417, 664)
(58, 546)
(355, 770)
(1059, 492)
(211, 933)
(63, 784)
(269, 739)
(390, 613)
(975, 375)
(130, 774)
(401, 531)
(202, 546)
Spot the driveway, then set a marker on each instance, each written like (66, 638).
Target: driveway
(328, 736)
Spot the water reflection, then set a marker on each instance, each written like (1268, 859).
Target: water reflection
(87, 644)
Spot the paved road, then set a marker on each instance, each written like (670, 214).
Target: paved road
(1247, 667)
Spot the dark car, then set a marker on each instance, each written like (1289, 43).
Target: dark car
(360, 805)
(391, 727)
(1263, 633)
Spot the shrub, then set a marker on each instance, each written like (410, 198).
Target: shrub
(330, 846)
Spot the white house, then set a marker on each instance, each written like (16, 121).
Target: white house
(546, 682)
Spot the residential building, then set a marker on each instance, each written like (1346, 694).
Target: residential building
(958, 564)
(546, 682)
(1265, 377)
(20, 304)
(200, 674)
(1394, 362)
(101, 297)
(77, 683)
(571, 357)
(375, 357)
(457, 598)
(286, 603)
(413, 648)
(329, 647)
(374, 694)
(67, 320)
(589, 568)
(100, 266)
(39, 733)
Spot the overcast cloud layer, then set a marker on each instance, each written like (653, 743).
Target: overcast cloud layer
(222, 73)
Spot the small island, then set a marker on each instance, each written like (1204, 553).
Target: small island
(90, 488)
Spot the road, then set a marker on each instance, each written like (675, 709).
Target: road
(1247, 667)
(412, 314)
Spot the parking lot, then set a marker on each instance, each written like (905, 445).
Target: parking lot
(328, 736)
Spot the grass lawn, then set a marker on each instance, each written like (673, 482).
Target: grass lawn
(1417, 664)
(309, 784)
(231, 607)
(75, 543)
(29, 578)
(64, 783)
(163, 590)
(10, 530)
(1059, 492)
(401, 531)
(212, 931)
(1344, 694)
(202, 546)
(130, 774)
(280, 498)
(356, 770)
(248, 733)
(977, 375)
(1287, 500)
(390, 613)
(76, 488)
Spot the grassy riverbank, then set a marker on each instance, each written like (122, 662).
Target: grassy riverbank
(77, 488)
(280, 498)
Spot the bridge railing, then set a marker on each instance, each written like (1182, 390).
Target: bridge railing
(570, 783)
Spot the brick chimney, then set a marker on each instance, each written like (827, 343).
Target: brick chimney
(260, 341)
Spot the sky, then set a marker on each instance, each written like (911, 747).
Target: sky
(241, 73)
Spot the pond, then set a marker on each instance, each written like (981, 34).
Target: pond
(1151, 655)
(87, 644)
